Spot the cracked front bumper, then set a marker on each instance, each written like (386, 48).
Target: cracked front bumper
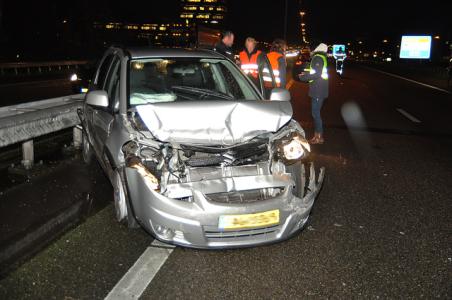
(196, 223)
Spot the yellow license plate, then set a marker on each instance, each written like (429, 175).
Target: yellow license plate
(266, 218)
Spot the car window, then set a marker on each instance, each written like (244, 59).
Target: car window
(112, 84)
(103, 72)
(184, 79)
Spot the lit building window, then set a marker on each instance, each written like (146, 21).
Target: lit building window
(201, 11)
(186, 16)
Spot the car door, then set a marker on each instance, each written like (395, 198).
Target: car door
(266, 78)
(103, 118)
(90, 112)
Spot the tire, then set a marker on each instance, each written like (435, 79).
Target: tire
(87, 150)
(299, 177)
(123, 208)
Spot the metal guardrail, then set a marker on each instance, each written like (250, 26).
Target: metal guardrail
(24, 122)
(38, 67)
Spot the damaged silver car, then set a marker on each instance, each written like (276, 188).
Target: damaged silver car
(194, 152)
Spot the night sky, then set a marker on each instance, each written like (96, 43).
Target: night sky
(28, 21)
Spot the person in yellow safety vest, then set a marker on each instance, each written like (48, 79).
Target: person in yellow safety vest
(249, 59)
(317, 77)
(277, 60)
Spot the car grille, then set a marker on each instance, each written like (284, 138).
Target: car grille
(249, 196)
(235, 156)
(249, 233)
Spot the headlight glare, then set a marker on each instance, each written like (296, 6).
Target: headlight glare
(293, 147)
(74, 77)
(303, 142)
(293, 150)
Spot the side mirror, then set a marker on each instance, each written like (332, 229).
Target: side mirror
(279, 94)
(97, 98)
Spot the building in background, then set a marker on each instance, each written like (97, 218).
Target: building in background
(194, 15)
(203, 11)
(152, 34)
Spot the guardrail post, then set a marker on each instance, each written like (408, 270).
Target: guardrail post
(28, 155)
(77, 136)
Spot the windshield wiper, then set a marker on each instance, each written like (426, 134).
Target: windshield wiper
(202, 92)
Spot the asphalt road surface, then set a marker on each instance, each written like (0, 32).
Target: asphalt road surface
(381, 227)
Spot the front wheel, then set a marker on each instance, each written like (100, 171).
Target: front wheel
(122, 203)
(87, 151)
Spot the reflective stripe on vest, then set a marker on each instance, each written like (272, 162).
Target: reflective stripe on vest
(273, 58)
(324, 69)
(267, 71)
(250, 68)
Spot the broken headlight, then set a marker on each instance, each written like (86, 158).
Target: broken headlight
(292, 148)
(151, 181)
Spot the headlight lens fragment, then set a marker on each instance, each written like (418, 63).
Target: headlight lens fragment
(293, 148)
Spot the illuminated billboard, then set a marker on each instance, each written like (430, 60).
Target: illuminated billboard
(415, 47)
(339, 50)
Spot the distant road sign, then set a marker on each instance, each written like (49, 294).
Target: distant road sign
(339, 51)
(415, 47)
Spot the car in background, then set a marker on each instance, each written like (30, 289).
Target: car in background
(194, 152)
(303, 58)
(291, 53)
(81, 78)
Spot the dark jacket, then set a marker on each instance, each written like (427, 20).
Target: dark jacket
(318, 87)
(283, 71)
(221, 48)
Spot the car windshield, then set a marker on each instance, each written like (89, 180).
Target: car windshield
(184, 79)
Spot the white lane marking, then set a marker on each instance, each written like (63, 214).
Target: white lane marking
(289, 85)
(140, 275)
(408, 116)
(410, 80)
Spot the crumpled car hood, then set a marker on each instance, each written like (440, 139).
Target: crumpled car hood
(214, 122)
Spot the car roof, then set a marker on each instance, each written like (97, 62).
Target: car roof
(148, 52)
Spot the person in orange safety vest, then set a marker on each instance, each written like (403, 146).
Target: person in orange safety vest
(250, 58)
(277, 60)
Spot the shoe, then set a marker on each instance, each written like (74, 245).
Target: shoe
(317, 139)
